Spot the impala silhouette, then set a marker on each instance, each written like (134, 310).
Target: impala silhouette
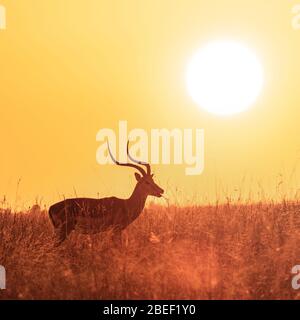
(91, 216)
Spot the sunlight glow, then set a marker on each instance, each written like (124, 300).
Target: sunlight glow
(224, 78)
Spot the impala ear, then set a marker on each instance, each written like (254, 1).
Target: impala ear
(137, 176)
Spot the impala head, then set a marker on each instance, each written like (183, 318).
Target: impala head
(144, 178)
(148, 186)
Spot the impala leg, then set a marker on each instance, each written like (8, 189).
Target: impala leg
(117, 237)
(62, 232)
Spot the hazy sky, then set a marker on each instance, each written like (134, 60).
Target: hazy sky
(69, 68)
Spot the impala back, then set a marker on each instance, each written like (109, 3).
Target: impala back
(89, 215)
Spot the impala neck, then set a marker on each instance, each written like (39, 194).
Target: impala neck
(136, 202)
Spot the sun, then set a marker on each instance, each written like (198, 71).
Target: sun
(224, 77)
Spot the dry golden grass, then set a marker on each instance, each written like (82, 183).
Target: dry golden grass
(212, 252)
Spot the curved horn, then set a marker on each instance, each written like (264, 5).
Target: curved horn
(147, 165)
(141, 170)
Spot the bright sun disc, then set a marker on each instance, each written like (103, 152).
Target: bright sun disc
(224, 78)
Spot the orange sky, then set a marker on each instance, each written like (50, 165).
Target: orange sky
(69, 68)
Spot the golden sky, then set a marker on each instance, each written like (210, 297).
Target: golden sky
(71, 67)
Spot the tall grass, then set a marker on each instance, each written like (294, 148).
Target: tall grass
(212, 252)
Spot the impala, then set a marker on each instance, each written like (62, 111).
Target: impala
(97, 215)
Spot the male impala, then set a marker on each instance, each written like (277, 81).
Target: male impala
(97, 215)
